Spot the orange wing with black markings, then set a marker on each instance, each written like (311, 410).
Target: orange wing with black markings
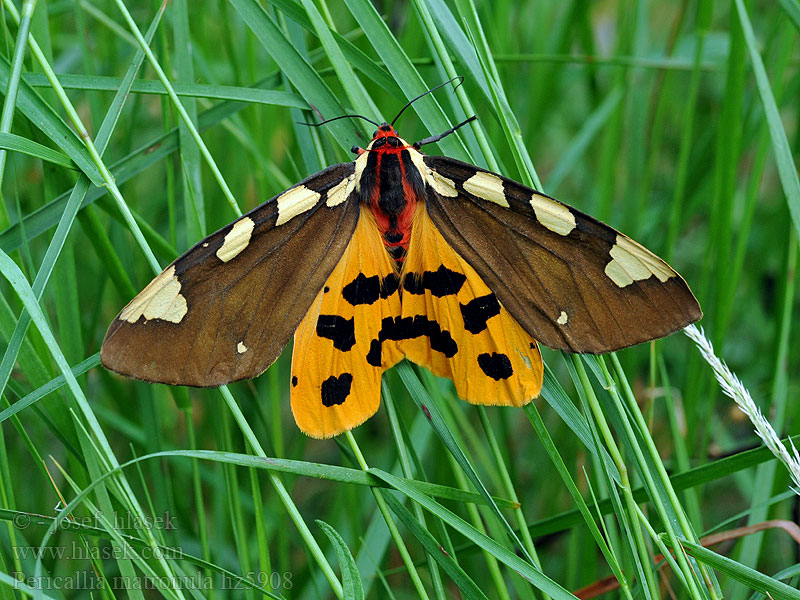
(471, 338)
(336, 383)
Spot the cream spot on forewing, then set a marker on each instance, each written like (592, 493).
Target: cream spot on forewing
(294, 202)
(236, 240)
(241, 348)
(443, 185)
(161, 299)
(337, 195)
(342, 190)
(633, 262)
(205, 244)
(562, 318)
(553, 215)
(487, 186)
(440, 184)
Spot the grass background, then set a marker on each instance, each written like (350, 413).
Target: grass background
(675, 122)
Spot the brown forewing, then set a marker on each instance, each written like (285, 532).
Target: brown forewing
(257, 299)
(537, 273)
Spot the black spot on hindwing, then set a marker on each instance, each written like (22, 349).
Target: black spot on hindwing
(390, 285)
(407, 328)
(497, 366)
(441, 282)
(339, 330)
(294, 381)
(374, 357)
(367, 290)
(335, 390)
(362, 290)
(478, 311)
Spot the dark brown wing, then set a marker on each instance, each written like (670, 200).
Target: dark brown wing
(225, 309)
(571, 281)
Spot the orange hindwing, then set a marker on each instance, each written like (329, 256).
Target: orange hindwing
(334, 386)
(472, 338)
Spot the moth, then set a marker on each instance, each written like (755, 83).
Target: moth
(396, 255)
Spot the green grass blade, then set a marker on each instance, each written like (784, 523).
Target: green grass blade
(33, 106)
(296, 68)
(351, 580)
(504, 555)
(464, 583)
(750, 577)
(790, 181)
(16, 143)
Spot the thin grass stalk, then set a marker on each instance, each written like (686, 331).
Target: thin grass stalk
(6, 120)
(197, 492)
(435, 409)
(703, 23)
(508, 121)
(634, 135)
(89, 60)
(9, 103)
(644, 435)
(231, 494)
(449, 68)
(262, 541)
(784, 44)
(787, 171)
(408, 473)
(547, 441)
(185, 117)
(764, 483)
(360, 100)
(639, 552)
(189, 152)
(508, 486)
(674, 411)
(8, 500)
(658, 541)
(387, 516)
(284, 496)
(475, 518)
(106, 175)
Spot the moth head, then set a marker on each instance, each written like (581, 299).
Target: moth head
(386, 138)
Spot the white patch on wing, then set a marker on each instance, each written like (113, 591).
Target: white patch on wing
(487, 186)
(337, 195)
(440, 184)
(562, 318)
(342, 190)
(631, 262)
(294, 202)
(236, 240)
(241, 348)
(161, 299)
(553, 215)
